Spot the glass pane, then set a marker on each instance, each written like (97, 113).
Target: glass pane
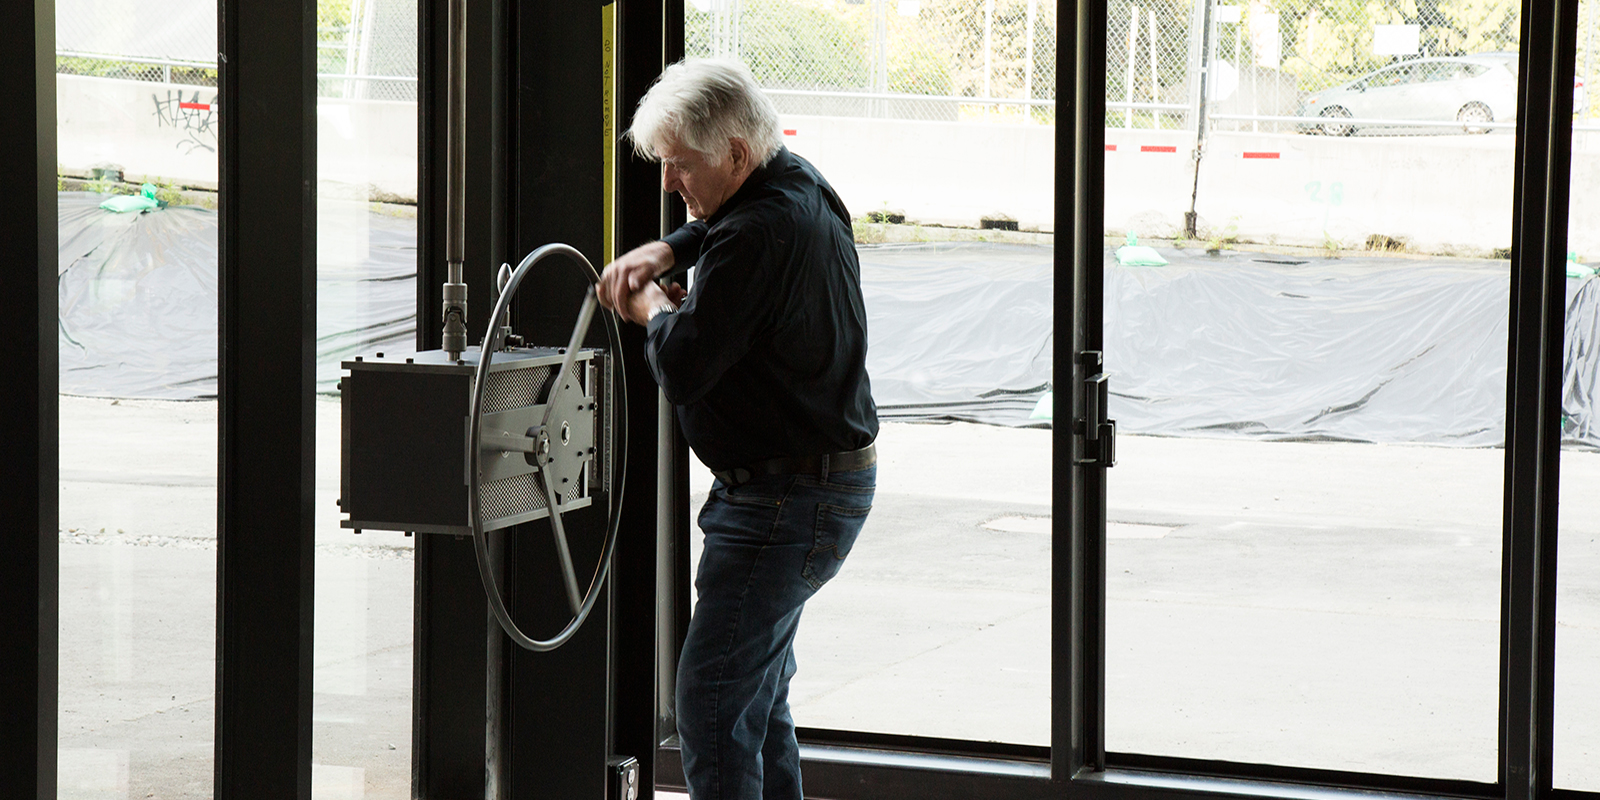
(933, 120)
(366, 302)
(1577, 721)
(1308, 374)
(136, 130)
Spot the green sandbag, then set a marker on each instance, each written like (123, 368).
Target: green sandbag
(145, 200)
(1577, 269)
(1133, 254)
(1045, 409)
(1139, 256)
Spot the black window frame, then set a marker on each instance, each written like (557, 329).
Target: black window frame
(264, 665)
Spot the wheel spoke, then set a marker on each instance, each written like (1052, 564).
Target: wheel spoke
(585, 315)
(568, 575)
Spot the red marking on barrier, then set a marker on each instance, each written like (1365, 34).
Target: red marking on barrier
(790, 132)
(1249, 154)
(1158, 148)
(195, 106)
(1111, 148)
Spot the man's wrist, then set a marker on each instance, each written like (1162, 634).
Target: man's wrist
(667, 258)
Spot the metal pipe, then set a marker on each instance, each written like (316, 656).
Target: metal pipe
(1191, 218)
(455, 289)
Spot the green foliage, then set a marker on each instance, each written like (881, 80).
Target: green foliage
(1223, 237)
(803, 44)
(333, 31)
(168, 192)
(962, 22)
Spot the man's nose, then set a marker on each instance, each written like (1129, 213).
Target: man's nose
(669, 180)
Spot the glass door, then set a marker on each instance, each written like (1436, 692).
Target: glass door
(934, 120)
(1306, 301)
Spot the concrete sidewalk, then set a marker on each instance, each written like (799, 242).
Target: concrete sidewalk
(1324, 605)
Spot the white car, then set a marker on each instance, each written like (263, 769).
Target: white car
(1470, 90)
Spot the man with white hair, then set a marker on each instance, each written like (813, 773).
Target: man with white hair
(765, 359)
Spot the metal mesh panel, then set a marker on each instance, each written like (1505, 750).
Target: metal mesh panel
(516, 388)
(508, 497)
(604, 424)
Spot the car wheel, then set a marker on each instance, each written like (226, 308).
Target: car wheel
(1335, 129)
(1472, 116)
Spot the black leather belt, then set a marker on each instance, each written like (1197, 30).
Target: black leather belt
(802, 465)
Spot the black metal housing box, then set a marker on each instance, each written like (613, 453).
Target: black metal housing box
(404, 460)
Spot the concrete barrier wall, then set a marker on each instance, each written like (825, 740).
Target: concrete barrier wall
(1439, 193)
(949, 173)
(169, 132)
(1448, 194)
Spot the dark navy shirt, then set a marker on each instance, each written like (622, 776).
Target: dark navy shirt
(767, 357)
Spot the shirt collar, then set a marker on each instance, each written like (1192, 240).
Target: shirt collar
(775, 165)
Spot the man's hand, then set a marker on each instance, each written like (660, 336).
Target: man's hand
(631, 272)
(642, 304)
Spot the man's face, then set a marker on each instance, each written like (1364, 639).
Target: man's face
(703, 187)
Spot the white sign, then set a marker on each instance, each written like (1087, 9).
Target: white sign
(1229, 14)
(1396, 40)
(1265, 39)
(1224, 80)
(909, 8)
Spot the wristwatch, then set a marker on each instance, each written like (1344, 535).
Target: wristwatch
(664, 308)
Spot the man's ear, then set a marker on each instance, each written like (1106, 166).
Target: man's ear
(743, 158)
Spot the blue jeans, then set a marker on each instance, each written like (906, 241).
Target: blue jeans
(770, 544)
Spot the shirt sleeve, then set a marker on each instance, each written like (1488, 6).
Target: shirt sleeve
(731, 304)
(685, 242)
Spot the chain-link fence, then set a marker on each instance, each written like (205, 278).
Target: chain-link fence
(366, 49)
(912, 59)
(1265, 61)
(1390, 66)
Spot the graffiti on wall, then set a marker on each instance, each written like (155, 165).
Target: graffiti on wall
(194, 118)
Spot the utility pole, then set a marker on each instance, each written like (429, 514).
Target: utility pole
(1190, 218)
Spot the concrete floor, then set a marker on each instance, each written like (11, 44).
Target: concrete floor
(1324, 605)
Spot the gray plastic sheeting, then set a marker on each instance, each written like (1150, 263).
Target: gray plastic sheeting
(958, 331)
(1371, 349)
(138, 300)
(1352, 349)
(1238, 345)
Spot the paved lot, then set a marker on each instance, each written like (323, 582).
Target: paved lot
(1330, 605)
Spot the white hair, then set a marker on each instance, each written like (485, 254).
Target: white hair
(702, 103)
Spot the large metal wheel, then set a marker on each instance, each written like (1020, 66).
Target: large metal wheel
(553, 423)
